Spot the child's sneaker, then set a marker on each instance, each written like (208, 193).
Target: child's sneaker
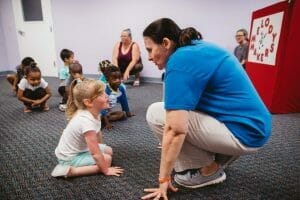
(194, 179)
(60, 170)
(62, 107)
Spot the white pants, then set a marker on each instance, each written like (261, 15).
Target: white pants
(206, 136)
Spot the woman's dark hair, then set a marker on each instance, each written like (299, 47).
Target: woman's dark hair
(167, 28)
(31, 68)
(27, 61)
(187, 35)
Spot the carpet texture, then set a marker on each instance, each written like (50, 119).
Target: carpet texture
(28, 140)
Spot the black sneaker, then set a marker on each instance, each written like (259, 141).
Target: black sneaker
(194, 179)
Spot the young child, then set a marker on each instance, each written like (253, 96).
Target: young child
(80, 150)
(117, 94)
(102, 70)
(67, 57)
(75, 72)
(33, 89)
(14, 79)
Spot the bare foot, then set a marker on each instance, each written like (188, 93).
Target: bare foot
(45, 108)
(27, 110)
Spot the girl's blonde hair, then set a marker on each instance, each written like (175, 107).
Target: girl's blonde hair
(80, 90)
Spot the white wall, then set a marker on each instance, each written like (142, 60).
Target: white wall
(9, 53)
(91, 28)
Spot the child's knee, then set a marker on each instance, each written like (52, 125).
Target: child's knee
(108, 159)
(109, 150)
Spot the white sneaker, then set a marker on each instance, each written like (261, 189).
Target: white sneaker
(62, 107)
(60, 170)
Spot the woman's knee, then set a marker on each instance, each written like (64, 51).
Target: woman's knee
(156, 113)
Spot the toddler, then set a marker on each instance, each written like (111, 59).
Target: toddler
(80, 150)
(117, 94)
(14, 79)
(33, 89)
(67, 57)
(75, 72)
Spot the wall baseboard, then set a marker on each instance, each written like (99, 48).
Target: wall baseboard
(94, 76)
(4, 73)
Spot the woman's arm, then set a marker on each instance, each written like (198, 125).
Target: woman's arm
(115, 54)
(135, 58)
(175, 131)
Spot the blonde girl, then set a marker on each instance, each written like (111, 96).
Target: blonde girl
(80, 150)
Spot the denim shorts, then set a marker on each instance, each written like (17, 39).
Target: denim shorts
(82, 159)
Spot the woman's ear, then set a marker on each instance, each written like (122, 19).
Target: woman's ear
(168, 44)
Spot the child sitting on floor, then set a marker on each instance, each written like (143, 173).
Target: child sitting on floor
(117, 94)
(33, 89)
(102, 70)
(80, 150)
(75, 71)
(15, 78)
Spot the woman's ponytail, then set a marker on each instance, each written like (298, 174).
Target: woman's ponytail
(187, 35)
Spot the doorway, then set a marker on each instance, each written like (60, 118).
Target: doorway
(33, 19)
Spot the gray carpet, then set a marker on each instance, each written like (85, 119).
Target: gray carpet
(27, 143)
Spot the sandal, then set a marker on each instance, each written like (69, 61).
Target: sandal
(136, 83)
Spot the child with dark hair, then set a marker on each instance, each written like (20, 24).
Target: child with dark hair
(102, 68)
(116, 94)
(75, 72)
(33, 89)
(67, 57)
(15, 78)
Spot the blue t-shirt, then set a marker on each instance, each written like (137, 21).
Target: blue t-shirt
(64, 75)
(206, 78)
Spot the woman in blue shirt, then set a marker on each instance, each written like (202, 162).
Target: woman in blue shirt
(211, 115)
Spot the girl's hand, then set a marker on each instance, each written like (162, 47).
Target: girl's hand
(161, 192)
(114, 171)
(36, 103)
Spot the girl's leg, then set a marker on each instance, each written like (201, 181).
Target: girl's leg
(11, 78)
(38, 94)
(116, 116)
(88, 170)
(28, 94)
(84, 163)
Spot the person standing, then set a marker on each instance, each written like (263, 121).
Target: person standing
(127, 56)
(211, 108)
